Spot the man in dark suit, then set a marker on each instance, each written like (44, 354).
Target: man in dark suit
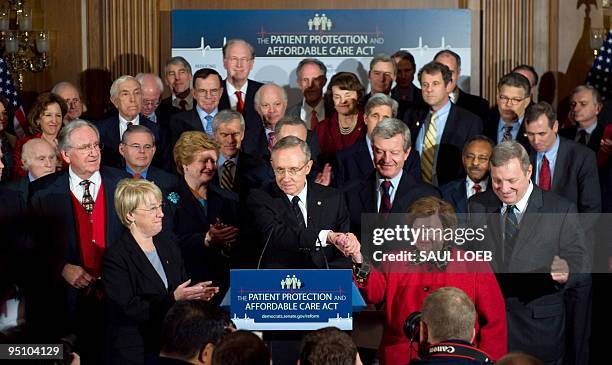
(228, 128)
(177, 74)
(388, 189)
(537, 245)
(405, 92)
(126, 95)
(467, 101)
(585, 106)
(299, 222)
(506, 121)
(355, 162)
(311, 77)
(81, 198)
(238, 90)
(72, 97)
(476, 155)
(440, 134)
(383, 70)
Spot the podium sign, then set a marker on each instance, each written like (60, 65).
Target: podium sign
(267, 300)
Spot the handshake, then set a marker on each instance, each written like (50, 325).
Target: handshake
(347, 243)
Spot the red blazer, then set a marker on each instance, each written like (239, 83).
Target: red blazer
(330, 139)
(403, 288)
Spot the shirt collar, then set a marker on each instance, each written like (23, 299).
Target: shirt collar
(521, 205)
(222, 159)
(470, 184)
(231, 90)
(75, 180)
(124, 121)
(302, 195)
(394, 181)
(319, 108)
(551, 152)
(589, 129)
(516, 124)
(442, 111)
(143, 174)
(369, 144)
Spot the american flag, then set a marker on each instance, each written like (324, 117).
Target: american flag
(7, 89)
(600, 76)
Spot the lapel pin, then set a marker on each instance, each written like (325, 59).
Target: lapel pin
(318, 203)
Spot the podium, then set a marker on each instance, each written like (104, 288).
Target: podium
(292, 300)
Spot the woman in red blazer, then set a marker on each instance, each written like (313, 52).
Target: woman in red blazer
(403, 286)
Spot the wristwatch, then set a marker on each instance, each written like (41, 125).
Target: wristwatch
(361, 271)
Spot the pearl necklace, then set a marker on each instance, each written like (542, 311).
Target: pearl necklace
(349, 129)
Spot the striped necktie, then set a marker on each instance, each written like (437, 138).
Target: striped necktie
(428, 151)
(510, 231)
(227, 176)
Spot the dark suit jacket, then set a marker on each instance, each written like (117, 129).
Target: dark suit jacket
(455, 193)
(354, 163)
(474, 104)
(461, 125)
(163, 114)
(11, 204)
(255, 143)
(241, 174)
(296, 111)
(287, 245)
(109, 135)
(490, 129)
(137, 299)
(165, 181)
(416, 101)
(251, 117)
(575, 177)
(533, 299)
(361, 197)
(594, 140)
(20, 187)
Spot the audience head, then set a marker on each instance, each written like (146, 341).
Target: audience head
(241, 348)
(530, 73)
(291, 164)
(311, 78)
(38, 157)
(6, 113)
(228, 129)
(328, 346)
(191, 330)
(126, 96)
(541, 126)
(390, 146)
(47, 114)
(518, 358)
(207, 89)
(137, 147)
(476, 155)
(431, 213)
(383, 70)
(513, 96)
(453, 61)
(379, 106)
(238, 59)
(177, 74)
(79, 145)
(448, 314)
(138, 203)
(406, 68)
(346, 92)
(195, 156)
(510, 171)
(291, 126)
(152, 88)
(585, 105)
(271, 104)
(436, 84)
(72, 98)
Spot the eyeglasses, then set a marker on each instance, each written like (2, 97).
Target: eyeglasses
(512, 101)
(72, 101)
(481, 159)
(150, 103)
(212, 93)
(236, 60)
(153, 209)
(140, 147)
(292, 171)
(88, 147)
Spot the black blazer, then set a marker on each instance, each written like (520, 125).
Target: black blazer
(136, 297)
(490, 129)
(474, 104)
(255, 143)
(460, 126)
(404, 105)
(165, 181)
(251, 117)
(241, 174)
(287, 245)
(109, 135)
(455, 193)
(19, 187)
(354, 163)
(361, 197)
(594, 140)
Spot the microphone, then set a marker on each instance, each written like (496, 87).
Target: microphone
(264, 248)
(322, 249)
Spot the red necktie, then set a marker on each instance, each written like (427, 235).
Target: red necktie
(314, 120)
(545, 181)
(385, 201)
(136, 176)
(271, 140)
(476, 188)
(240, 103)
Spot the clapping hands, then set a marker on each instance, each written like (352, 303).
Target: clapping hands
(200, 291)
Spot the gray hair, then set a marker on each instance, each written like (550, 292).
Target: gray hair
(114, 89)
(506, 151)
(289, 120)
(596, 95)
(28, 149)
(391, 127)
(380, 99)
(177, 60)
(60, 85)
(234, 41)
(257, 97)
(226, 116)
(63, 139)
(454, 55)
(383, 57)
(136, 128)
(310, 61)
(292, 141)
(449, 314)
(158, 81)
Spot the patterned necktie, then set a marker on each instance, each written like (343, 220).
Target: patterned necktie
(510, 231)
(271, 140)
(136, 176)
(183, 104)
(429, 150)
(385, 197)
(314, 120)
(582, 139)
(209, 126)
(477, 188)
(87, 202)
(544, 179)
(227, 176)
(298, 212)
(240, 103)
(507, 133)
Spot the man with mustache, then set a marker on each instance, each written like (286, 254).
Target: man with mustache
(475, 157)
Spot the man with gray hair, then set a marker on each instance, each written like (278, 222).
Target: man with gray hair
(585, 104)
(81, 199)
(228, 130)
(537, 242)
(388, 188)
(177, 74)
(383, 71)
(72, 97)
(311, 78)
(126, 95)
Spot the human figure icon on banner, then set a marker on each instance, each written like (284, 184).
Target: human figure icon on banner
(283, 284)
(329, 24)
(323, 21)
(299, 283)
(316, 21)
(288, 282)
(293, 282)
(310, 23)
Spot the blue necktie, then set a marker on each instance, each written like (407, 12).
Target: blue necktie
(209, 126)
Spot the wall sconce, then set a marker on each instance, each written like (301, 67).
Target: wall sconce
(24, 50)
(598, 36)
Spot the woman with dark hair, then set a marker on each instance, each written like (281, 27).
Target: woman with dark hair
(7, 140)
(346, 125)
(45, 121)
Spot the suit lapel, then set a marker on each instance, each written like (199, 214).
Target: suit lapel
(403, 194)
(191, 204)
(171, 268)
(452, 124)
(529, 221)
(367, 194)
(364, 160)
(142, 263)
(459, 195)
(315, 206)
(195, 121)
(560, 165)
